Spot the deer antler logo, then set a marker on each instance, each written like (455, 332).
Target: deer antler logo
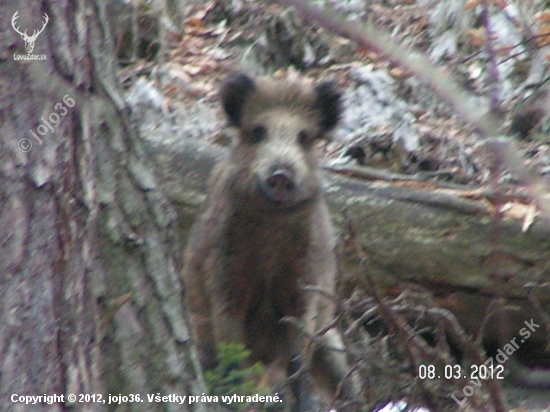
(29, 40)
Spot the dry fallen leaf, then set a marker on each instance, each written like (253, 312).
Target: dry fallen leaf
(194, 22)
(470, 4)
(397, 72)
(543, 16)
(530, 215)
(543, 36)
(476, 36)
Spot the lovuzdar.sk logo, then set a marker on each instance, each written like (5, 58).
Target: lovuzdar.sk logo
(29, 40)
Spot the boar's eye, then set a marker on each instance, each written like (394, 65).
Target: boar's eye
(305, 138)
(257, 134)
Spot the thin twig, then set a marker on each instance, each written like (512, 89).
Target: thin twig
(493, 79)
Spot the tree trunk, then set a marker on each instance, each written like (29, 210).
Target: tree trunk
(92, 302)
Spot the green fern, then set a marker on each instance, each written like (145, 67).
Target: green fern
(230, 376)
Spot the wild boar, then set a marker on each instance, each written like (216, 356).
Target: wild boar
(265, 232)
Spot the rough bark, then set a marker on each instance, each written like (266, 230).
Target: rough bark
(91, 299)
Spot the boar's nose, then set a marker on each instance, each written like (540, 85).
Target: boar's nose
(279, 186)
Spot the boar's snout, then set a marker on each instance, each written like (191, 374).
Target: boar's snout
(279, 186)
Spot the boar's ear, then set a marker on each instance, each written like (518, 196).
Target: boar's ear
(233, 94)
(329, 104)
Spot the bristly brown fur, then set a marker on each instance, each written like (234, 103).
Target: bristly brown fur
(265, 230)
